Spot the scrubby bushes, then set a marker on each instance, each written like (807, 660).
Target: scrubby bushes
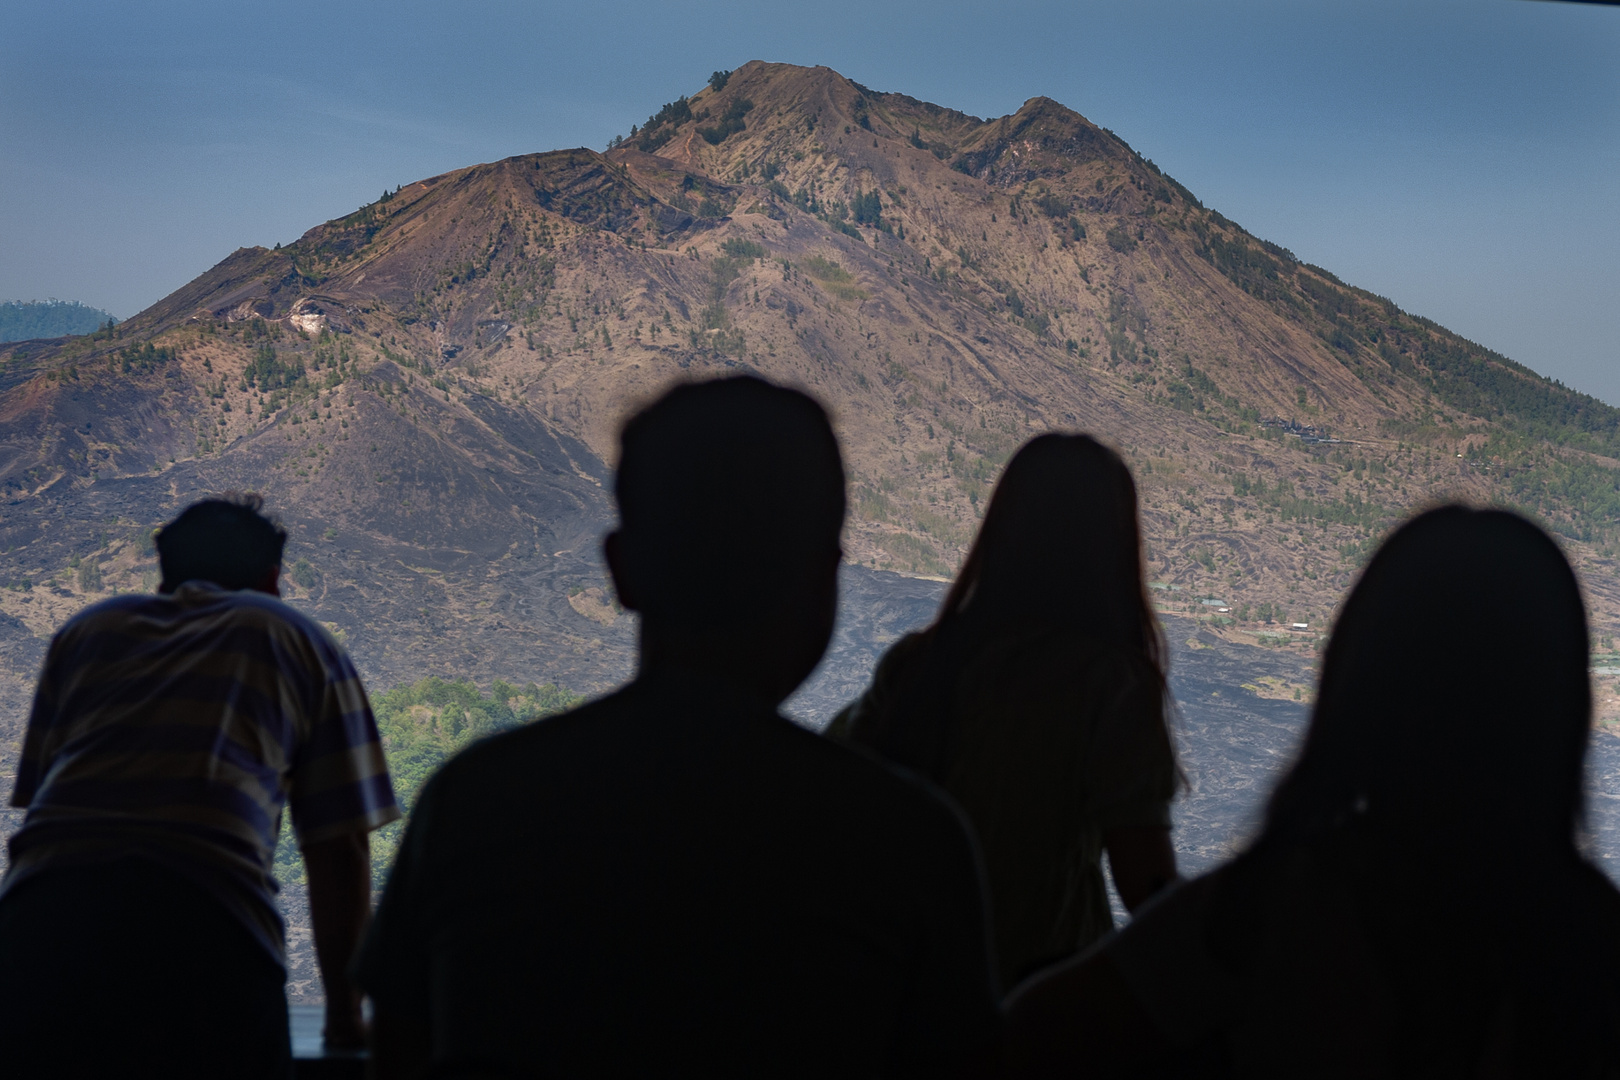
(867, 209)
(424, 725)
(730, 123)
(1053, 205)
(743, 249)
(662, 124)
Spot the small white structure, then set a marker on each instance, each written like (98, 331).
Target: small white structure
(1301, 626)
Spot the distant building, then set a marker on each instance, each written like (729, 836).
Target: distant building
(1300, 626)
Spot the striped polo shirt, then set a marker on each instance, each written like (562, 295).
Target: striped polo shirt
(176, 728)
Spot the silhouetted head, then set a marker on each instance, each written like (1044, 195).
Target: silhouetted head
(1060, 546)
(1059, 549)
(1454, 696)
(1440, 787)
(228, 541)
(731, 501)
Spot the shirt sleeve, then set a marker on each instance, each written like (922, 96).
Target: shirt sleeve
(340, 780)
(36, 753)
(953, 1016)
(1131, 765)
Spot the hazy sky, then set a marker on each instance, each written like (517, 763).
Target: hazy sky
(1461, 157)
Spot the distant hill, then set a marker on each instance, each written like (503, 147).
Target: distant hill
(21, 320)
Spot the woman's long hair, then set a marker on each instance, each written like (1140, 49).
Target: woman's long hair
(1447, 750)
(1060, 549)
(1454, 689)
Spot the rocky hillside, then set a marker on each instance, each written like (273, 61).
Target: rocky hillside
(428, 389)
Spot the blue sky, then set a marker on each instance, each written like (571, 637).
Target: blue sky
(1457, 156)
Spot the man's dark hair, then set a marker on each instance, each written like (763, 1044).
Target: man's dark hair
(725, 488)
(228, 541)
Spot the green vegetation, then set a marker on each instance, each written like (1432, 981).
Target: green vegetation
(1033, 321)
(89, 576)
(1380, 341)
(1256, 268)
(424, 725)
(267, 371)
(1126, 317)
(834, 278)
(867, 209)
(915, 554)
(743, 249)
(1052, 204)
(21, 320)
(862, 117)
(344, 238)
(1192, 392)
(1121, 240)
(143, 359)
(303, 573)
(1351, 510)
(717, 81)
(1551, 447)
(938, 149)
(729, 125)
(714, 325)
(661, 125)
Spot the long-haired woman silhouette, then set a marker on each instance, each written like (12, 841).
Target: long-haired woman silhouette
(1416, 904)
(1037, 699)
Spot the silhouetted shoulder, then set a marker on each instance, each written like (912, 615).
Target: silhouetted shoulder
(105, 612)
(1047, 672)
(215, 618)
(1287, 974)
(684, 729)
(704, 864)
(859, 721)
(247, 604)
(1283, 999)
(1601, 901)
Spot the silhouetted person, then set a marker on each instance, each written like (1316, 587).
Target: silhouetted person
(675, 880)
(1037, 699)
(138, 928)
(1415, 905)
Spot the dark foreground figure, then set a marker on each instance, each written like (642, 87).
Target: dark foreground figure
(1037, 701)
(1416, 905)
(138, 929)
(676, 881)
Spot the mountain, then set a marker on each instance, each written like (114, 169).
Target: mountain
(24, 319)
(428, 389)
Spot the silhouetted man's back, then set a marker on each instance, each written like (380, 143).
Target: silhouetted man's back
(675, 880)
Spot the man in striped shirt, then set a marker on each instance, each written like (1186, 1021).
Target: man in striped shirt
(138, 924)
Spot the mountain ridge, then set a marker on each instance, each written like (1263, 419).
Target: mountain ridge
(429, 388)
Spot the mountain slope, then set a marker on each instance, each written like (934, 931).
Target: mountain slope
(428, 389)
